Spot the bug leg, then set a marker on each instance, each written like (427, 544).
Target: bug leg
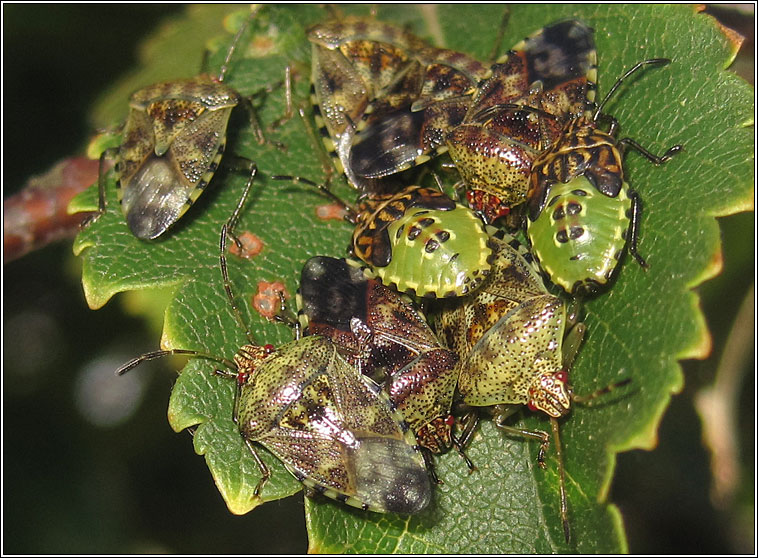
(254, 124)
(469, 422)
(571, 343)
(500, 34)
(102, 204)
(562, 478)
(633, 228)
(287, 317)
(429, 464)
(226, 231)
(326, 163)
(265, 472)
(350, 211)
(459, 448)
(488, 113)
(235, 41)
(501, 414)
(288, 107)
(655, 159)
(587, 399)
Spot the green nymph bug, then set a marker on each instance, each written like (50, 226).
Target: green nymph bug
(418, 241)
(422, 242)
(385, 334)
(332, 427)
(582, 213)
(173, 141)
(493, 142)
(516, 342)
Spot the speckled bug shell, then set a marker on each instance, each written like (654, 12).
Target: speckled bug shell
(392, 342)
(554, 71)
(333, 428)
(579, 208)
(421, 242)
(490, 140)
(365, 70)
(509, 337)
(173, 140)
(580, 235)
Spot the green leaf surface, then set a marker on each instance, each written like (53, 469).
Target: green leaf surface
(638, 330)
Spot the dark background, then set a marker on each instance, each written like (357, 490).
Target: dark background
(90, 464)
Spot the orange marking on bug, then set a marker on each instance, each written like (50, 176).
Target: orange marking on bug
(332, 211)
(267, 300)
(252, 245)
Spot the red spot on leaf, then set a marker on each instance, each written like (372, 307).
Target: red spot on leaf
(267, 300)
(250, 245)
(330, 211)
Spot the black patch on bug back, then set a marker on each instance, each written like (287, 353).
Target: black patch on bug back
(404, 489)
(390, 144)
(576, 232)
(562, 52)
(333, 292)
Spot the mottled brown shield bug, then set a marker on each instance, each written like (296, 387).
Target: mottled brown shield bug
(365, 72)
(385, 334)
(332, 427)
(172, 142)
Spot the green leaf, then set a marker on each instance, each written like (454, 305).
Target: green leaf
(638, 330)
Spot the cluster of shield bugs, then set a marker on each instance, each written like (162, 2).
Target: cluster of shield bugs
(492, 139)
(385, 335)
(523, 129)
(331, 426)
(367, 72)
(173, 141)
(582, 213)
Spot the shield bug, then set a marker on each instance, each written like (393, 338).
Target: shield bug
(418, 241)
(385, 334)
(366, 71)
(516, 342)
(332, 427)
(173, 141)
(582, 212)
(422, 242)
(491, 141)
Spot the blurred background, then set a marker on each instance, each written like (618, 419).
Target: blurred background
(90, 464)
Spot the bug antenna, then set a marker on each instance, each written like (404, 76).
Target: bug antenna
(350, 211)
(587, 399)
(159, 354)
(619, 81)
(237, 37)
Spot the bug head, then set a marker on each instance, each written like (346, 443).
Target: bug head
(248, 358)
(550, 393)
(436, 435)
